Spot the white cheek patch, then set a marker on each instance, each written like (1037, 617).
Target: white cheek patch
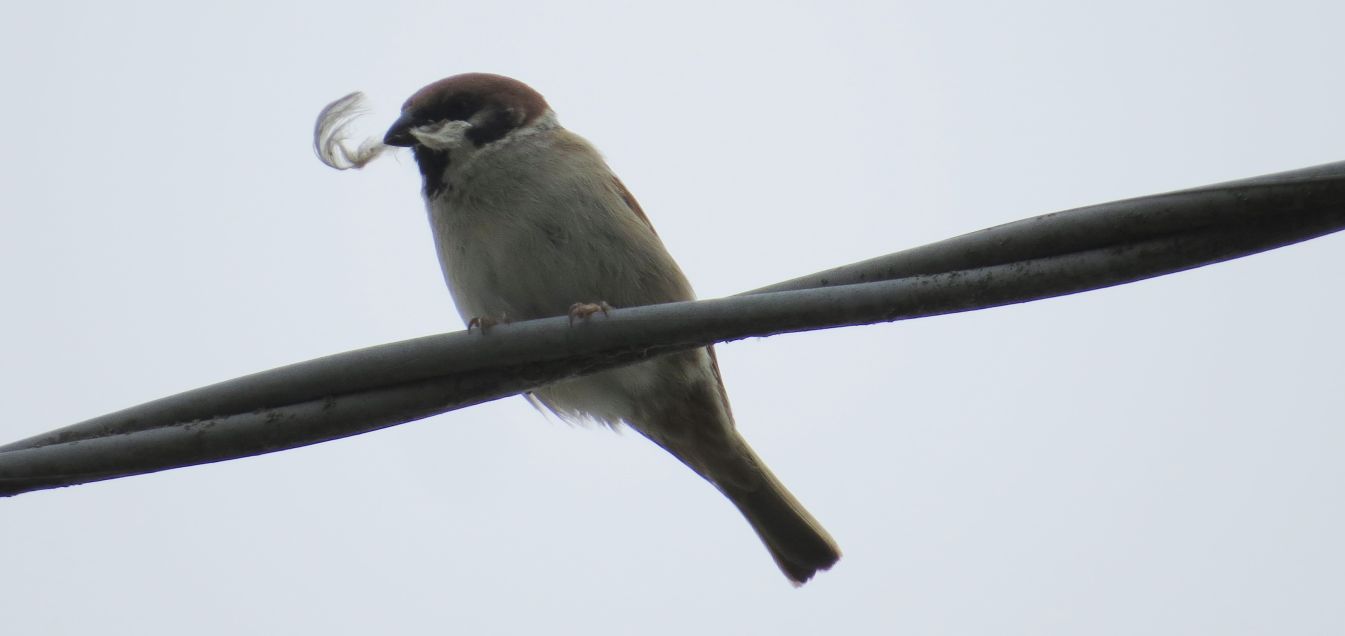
(331, 135)
(446, 135)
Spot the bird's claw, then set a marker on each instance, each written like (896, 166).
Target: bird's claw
(585, 310)
(484, 323)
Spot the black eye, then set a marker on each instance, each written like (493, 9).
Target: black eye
(459, 107)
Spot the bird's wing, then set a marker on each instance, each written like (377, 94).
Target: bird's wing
(631, 203)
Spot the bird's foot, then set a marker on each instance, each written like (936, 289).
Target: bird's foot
(484, 323)
(584, 310)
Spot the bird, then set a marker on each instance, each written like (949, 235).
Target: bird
(530, 222)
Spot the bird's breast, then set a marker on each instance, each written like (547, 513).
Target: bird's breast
(534, 227)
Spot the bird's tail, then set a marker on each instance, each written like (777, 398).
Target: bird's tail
(689, 416)
(797, 542)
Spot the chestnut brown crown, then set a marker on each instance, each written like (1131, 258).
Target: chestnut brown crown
(495, 105)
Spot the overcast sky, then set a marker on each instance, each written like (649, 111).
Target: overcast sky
(1157, 458)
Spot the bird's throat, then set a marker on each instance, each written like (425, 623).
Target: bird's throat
(433, 165)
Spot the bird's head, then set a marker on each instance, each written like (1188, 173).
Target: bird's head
(453, 118)
(472, 108)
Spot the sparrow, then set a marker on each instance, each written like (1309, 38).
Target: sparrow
(530, 222)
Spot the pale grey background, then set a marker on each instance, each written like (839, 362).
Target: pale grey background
(1160, 458)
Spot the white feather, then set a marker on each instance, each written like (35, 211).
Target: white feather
(330, 138)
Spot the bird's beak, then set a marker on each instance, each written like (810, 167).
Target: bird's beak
(400, 132)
